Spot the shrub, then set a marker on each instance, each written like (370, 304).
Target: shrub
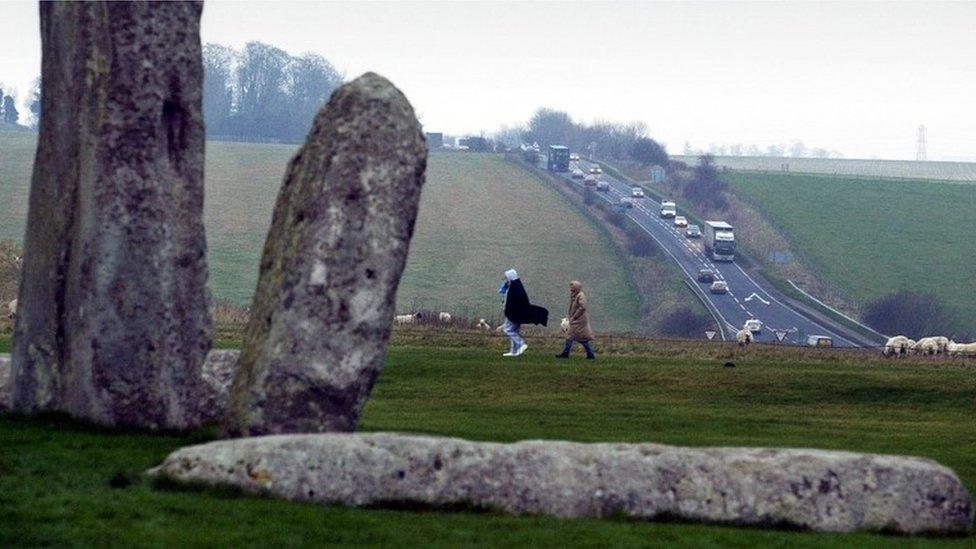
(683, 322)
(913, 314)
(639, 243)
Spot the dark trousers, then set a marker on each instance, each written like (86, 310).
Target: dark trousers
(585, 344)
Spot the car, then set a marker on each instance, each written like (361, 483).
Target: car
(754, 325)
(589, 180)
(595, 169)
(706, 275)
(719, 287)
(680, 221)
(820, 341)
(574, 157)
(626, 203)
(636, 192)
(603, 186)
(577, 173)
(693, 231)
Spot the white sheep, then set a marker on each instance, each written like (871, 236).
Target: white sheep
(897, 346)
(444, 317)
(942, 342)
(12, 310)
(19, 261)
(406, 319)
(564, 325)
(744, 337)
(926, 346)
(483, 325)
(961, 349)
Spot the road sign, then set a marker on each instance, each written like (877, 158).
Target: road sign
(781, 334)
(756, 296)
(710, 334)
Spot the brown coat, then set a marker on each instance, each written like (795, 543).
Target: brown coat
(579, 321)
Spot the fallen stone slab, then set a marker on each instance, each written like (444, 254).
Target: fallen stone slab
(819, 490)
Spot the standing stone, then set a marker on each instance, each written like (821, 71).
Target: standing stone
(114, 322)
(331, 265)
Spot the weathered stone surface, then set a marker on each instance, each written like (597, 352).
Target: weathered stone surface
(114, 323)
(331, 265)
(819, 490)
(5, 382)
(218, 374)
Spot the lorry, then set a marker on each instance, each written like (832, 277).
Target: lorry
(668, 209)
(719, 241)
(558, 158)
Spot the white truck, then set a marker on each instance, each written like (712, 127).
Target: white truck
(669, 209)
(719, 241)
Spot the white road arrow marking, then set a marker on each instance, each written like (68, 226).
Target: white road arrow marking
(755, 295)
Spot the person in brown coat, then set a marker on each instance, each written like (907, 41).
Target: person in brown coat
(579, 322)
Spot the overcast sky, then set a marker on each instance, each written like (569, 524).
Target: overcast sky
(855, 77)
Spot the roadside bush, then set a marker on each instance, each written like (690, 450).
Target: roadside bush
(706, 188)
(683, 322)
(618, 219)
(639, 243)
(589, 197)
(913, 314)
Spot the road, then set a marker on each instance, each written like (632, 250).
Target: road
(747, 298)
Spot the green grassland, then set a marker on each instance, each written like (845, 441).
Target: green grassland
(479, 215)
(875, 237)
(62, 483)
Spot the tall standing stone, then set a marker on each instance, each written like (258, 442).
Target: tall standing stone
(114, 322)
(331, 266)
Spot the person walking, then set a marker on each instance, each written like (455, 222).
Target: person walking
(579, 322)
(518, 311)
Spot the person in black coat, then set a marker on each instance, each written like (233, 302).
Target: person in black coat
(519, 311)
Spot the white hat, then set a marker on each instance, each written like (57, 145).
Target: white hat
(511, 274)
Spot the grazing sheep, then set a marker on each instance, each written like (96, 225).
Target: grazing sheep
(897, 346)
(444, 317)
(942, 342)
(483, 325)
(19, 261)
(12, 310)
(564, 325)
(407, 319)
(744, 337)
(926, 346)
(961, 349)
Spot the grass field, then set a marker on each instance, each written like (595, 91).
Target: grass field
(962, 172)
(66, 484)
(872, 238)
(479, 216)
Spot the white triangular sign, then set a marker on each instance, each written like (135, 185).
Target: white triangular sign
(710, 334)
(781, 334)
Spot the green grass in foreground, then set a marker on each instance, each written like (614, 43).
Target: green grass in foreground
(66, 484)
(479, 215)
(875, 237)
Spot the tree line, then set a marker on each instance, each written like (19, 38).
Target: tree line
(604, 140)
(10, 114)
(262, 93)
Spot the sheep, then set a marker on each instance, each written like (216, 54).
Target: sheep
(744, 337)
(407, 319)
(942, 342)
(957, 349)
(483, 325)
(12, 310)
(19, 261)
(564, 325)
(897, 345)
(444, 317)
(926, 346)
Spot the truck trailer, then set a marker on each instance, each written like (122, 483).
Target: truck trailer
(719, 241)
(558, 158)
